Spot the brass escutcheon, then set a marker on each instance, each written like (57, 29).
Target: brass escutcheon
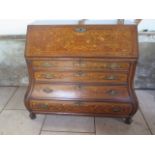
(111, 77)
(80, 30)
(113, 65)
(79, 73)
(48, 76)
(76, 64)
(78, 102)
(116, 109)
(78, 87)
(82, 63)
(47, 64)
(48, 90)
(42, 106)
(112, 92)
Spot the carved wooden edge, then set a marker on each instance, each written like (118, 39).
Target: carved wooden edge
(30, 86)
(131, 90)
(31, 79)
(80, 114)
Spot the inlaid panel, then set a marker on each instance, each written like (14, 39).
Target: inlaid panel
(81, 76)
(80, 64)
(82, 69)
(71, 91)
(82, 41)
(81, 107)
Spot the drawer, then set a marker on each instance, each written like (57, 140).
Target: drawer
(81, 76)
(83, 92)
(81, 107)
(80, 65)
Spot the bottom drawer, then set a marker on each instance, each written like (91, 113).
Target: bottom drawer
(81, 107)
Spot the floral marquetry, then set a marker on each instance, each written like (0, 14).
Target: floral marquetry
(82, 70)
(94, 41)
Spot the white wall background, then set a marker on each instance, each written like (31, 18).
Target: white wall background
(8, 27)
(147, 24)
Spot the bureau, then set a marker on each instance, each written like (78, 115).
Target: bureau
(81, 70)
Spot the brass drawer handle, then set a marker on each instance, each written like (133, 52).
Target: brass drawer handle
(78, 102)
(80, 30)
(82, 63)
(113, 65)
(79, 63)
(78, 87)
(111, 77)
(48, 76)
(112, 92)
(47, 64)
(116, 109)
(48, 90)
(42, 106)
(76, 64)
(78, 74)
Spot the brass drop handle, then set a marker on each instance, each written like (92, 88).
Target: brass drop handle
(48, 76)
(78, 74)
(78, 102)
(76, 64)
(78, 87)
(111, 77)
(80, 29)
(79, 63)
(47, 64)
(113, 65)
(112, 92)
(43, 106)
(82, 63)
(116, 109)
(48, 90)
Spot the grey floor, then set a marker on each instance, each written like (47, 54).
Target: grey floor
(14, 118)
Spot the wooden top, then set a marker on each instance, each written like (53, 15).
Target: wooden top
(82, 41)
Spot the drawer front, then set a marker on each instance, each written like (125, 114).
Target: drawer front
(68, 91)
(81, 107)
(80, 65)
(81, 76)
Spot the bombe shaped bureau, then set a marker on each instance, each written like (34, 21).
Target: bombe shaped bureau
(81, 69)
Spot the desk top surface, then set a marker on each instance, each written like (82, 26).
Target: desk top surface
(86, 40)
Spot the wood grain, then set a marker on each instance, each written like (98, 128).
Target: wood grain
(81, 76)
(83, 92)
(80, 64)
(82, 69)
(81, 107)
(97, 40)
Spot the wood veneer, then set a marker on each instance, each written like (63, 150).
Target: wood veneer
(82, 70)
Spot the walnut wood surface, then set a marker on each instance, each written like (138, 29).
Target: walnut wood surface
(81, 107)
(81, 76)
(82, 69)
(97, 40)
(83, 92)
(80, 65)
